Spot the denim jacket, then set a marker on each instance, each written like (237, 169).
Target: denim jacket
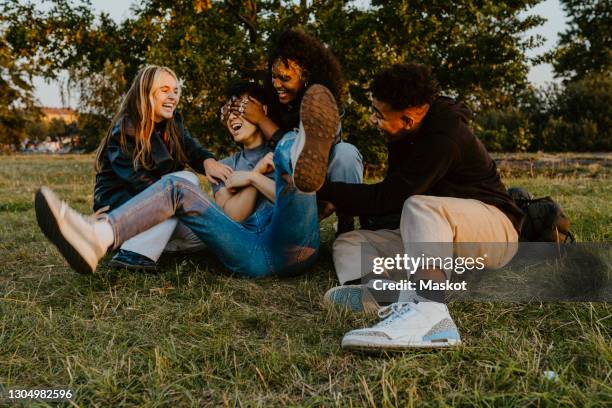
(118, 180)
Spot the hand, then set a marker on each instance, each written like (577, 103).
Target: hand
(325, 208)
(266, 164)
(238, 179)
(216, 171)
(250, 109)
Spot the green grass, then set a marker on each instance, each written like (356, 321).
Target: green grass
(194, 336)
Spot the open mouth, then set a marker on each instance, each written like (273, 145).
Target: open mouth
(235, 126)
(168, 105)
(282, 93)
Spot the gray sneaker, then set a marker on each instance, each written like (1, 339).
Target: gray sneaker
(356, 298)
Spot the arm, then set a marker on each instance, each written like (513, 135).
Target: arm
(238, 206)
(263, 184)
(421, 170)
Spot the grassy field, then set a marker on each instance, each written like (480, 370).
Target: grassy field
(194, 336)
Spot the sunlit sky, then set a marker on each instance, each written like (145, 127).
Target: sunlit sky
(48, 93)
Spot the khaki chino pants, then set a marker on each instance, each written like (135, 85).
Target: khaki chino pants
(434, 227)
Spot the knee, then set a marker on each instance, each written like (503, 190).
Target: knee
(347, 154)
(347, 241)
(346, 164)
(417, 206)
(187, 175)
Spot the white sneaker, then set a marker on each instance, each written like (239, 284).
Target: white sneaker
(406, 325)
(72, 233)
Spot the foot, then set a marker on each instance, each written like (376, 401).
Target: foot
(125, 259)
(356, 298)
(406, 325)
(72, 233)
(319, 121)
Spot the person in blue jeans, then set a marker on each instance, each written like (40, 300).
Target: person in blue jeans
(284, 240)
(297, 61)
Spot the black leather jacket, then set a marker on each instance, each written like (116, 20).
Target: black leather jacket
(118, 180)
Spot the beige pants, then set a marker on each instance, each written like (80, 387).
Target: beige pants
(433, 227)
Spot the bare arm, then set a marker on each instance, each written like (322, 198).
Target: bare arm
(264, 185)
(239, 205)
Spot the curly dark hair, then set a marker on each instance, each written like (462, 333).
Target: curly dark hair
(316, 59)
(405, 85)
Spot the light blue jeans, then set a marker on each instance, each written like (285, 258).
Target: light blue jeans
(280, 239)
(345, 164)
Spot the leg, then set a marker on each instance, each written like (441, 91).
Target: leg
(430, 226)
(291, 239)
(184, 240)
(345, 165)
(354, 254)
(143, 250)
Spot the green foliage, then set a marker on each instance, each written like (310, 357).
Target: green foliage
(581, 117)
(586, 46)
(17, 108)
(477, 49)
(505, 130)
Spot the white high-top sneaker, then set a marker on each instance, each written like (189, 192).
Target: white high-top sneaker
(407, 325)
(72, 233)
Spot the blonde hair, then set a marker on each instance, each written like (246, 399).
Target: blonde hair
(136, 117)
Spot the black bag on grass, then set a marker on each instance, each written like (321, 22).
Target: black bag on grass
(545, 220)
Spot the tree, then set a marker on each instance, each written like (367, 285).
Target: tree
(586, 46)
(476, 47)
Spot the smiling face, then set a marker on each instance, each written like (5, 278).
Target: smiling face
(387, 120)
(287, 79)
(243, 131)
(165, 96)
(395, 124)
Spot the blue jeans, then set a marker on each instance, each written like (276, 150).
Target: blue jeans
(345, 164)
(282, 239)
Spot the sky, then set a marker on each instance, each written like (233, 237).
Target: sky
(49, 93)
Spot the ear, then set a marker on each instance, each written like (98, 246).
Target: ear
(407, 121)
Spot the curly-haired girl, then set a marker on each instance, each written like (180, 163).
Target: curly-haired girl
(297, 61)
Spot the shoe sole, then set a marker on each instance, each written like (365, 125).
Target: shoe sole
(114, 264)
(48, 225)
(350, 298)
(319, 117)
(374, 347)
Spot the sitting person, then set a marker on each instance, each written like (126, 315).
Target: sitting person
(297, 61)
(283, 240)
(143, 144)
(251, 186)
(447, 188)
